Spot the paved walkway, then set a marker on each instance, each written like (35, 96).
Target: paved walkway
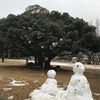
(61, 64)
(70, 65)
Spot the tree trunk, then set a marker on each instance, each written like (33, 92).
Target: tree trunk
(26, 60)
(9, 54)
(36, 60)
(47, 63)
(2, 59)
(40, 62)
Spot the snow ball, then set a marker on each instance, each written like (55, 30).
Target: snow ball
(51, 73)
(78, 68)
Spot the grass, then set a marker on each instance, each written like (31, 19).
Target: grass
(10, 70)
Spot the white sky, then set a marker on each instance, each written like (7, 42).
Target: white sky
(86, 9)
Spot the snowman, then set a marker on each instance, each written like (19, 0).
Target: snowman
(48, 90)
(50, 85)
(78, 87)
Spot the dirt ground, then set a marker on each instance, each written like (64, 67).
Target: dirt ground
(15, 70)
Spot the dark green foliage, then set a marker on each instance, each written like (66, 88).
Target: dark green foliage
(39, 33)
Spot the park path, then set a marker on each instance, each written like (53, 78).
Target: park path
(63, 65)
(70, 65)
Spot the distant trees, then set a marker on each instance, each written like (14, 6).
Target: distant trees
(43, 34)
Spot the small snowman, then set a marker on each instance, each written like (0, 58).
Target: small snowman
(50, 85)
(48, 90)
(78, 87)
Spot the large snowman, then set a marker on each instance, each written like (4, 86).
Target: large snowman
(48, 90)
(78, 87)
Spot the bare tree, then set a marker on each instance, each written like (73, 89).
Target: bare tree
(90, 23)
(97, 24)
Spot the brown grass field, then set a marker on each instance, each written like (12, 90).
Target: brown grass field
(12, 69)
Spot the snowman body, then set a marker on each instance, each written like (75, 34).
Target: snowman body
(78, 87)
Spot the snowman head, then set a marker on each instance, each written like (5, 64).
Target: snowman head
(78, 68)
(74, 59)
(51, 73)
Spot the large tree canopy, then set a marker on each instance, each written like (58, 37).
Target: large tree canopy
(40, 33)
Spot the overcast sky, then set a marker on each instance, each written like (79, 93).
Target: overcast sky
(86, 9)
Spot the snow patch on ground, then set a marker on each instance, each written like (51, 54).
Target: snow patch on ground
(1, 77)
(36, 81)
(10, 97)
(18, 83)
(97, 94)
(6, 89)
